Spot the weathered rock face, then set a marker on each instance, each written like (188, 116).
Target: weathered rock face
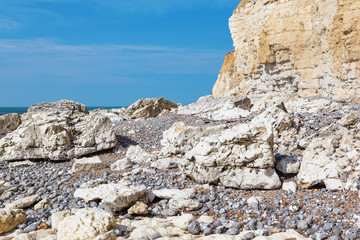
(332, 160)
(293, 47)
(240, 157)
(143, 108)
(85, 223)
(218, 108)
(9, 123)
(9, 219)
(58, 131)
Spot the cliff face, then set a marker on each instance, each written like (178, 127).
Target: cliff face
(292, 47)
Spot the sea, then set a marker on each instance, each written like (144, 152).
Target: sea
(7, 110)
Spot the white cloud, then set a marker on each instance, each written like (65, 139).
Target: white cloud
(7, 24)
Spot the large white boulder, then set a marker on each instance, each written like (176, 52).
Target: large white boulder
(241, 156)
(83, 224)
(58, 131)
(332, 160)
(115, 196)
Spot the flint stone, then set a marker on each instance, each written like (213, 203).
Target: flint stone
(10, 218)
(84, 224)
(287, 164)
(58, 131)
(114, 196)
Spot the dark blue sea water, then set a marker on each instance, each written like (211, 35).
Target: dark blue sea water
(7, 110)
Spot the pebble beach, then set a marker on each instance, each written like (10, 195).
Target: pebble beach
(316, 213)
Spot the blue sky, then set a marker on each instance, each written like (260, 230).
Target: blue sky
(111, 52)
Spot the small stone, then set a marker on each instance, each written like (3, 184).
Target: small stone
(194, 228)
(237, 225)
(184, 221)
(156, 236)
(233, 231)
(169, 212)
(207, 231)
(252, 224)
(302, 225)
(249, 236)
(26, 163)
(289, 186)
(42, 204)
(87, 164)
(334, 238)
(139, 208)
(31, 228)
(23, 202)
(221, 229)
(121, 164)
(294, 207)
(144, 238)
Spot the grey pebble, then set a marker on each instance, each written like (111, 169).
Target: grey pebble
(156, 236)
(233, 231)
(302, 225)
(334, 238)
(207, 231)
(144, 238)
(249, 236)
(194, 228)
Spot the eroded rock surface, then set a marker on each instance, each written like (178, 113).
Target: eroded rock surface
(143, 108)
(225, 108)
(58, 131)
(332, 160)
(83, 223)
(240, 157)
(8, 123)
(293, 47)
(10, 218)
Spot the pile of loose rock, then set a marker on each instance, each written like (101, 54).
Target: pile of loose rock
(289, 171)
